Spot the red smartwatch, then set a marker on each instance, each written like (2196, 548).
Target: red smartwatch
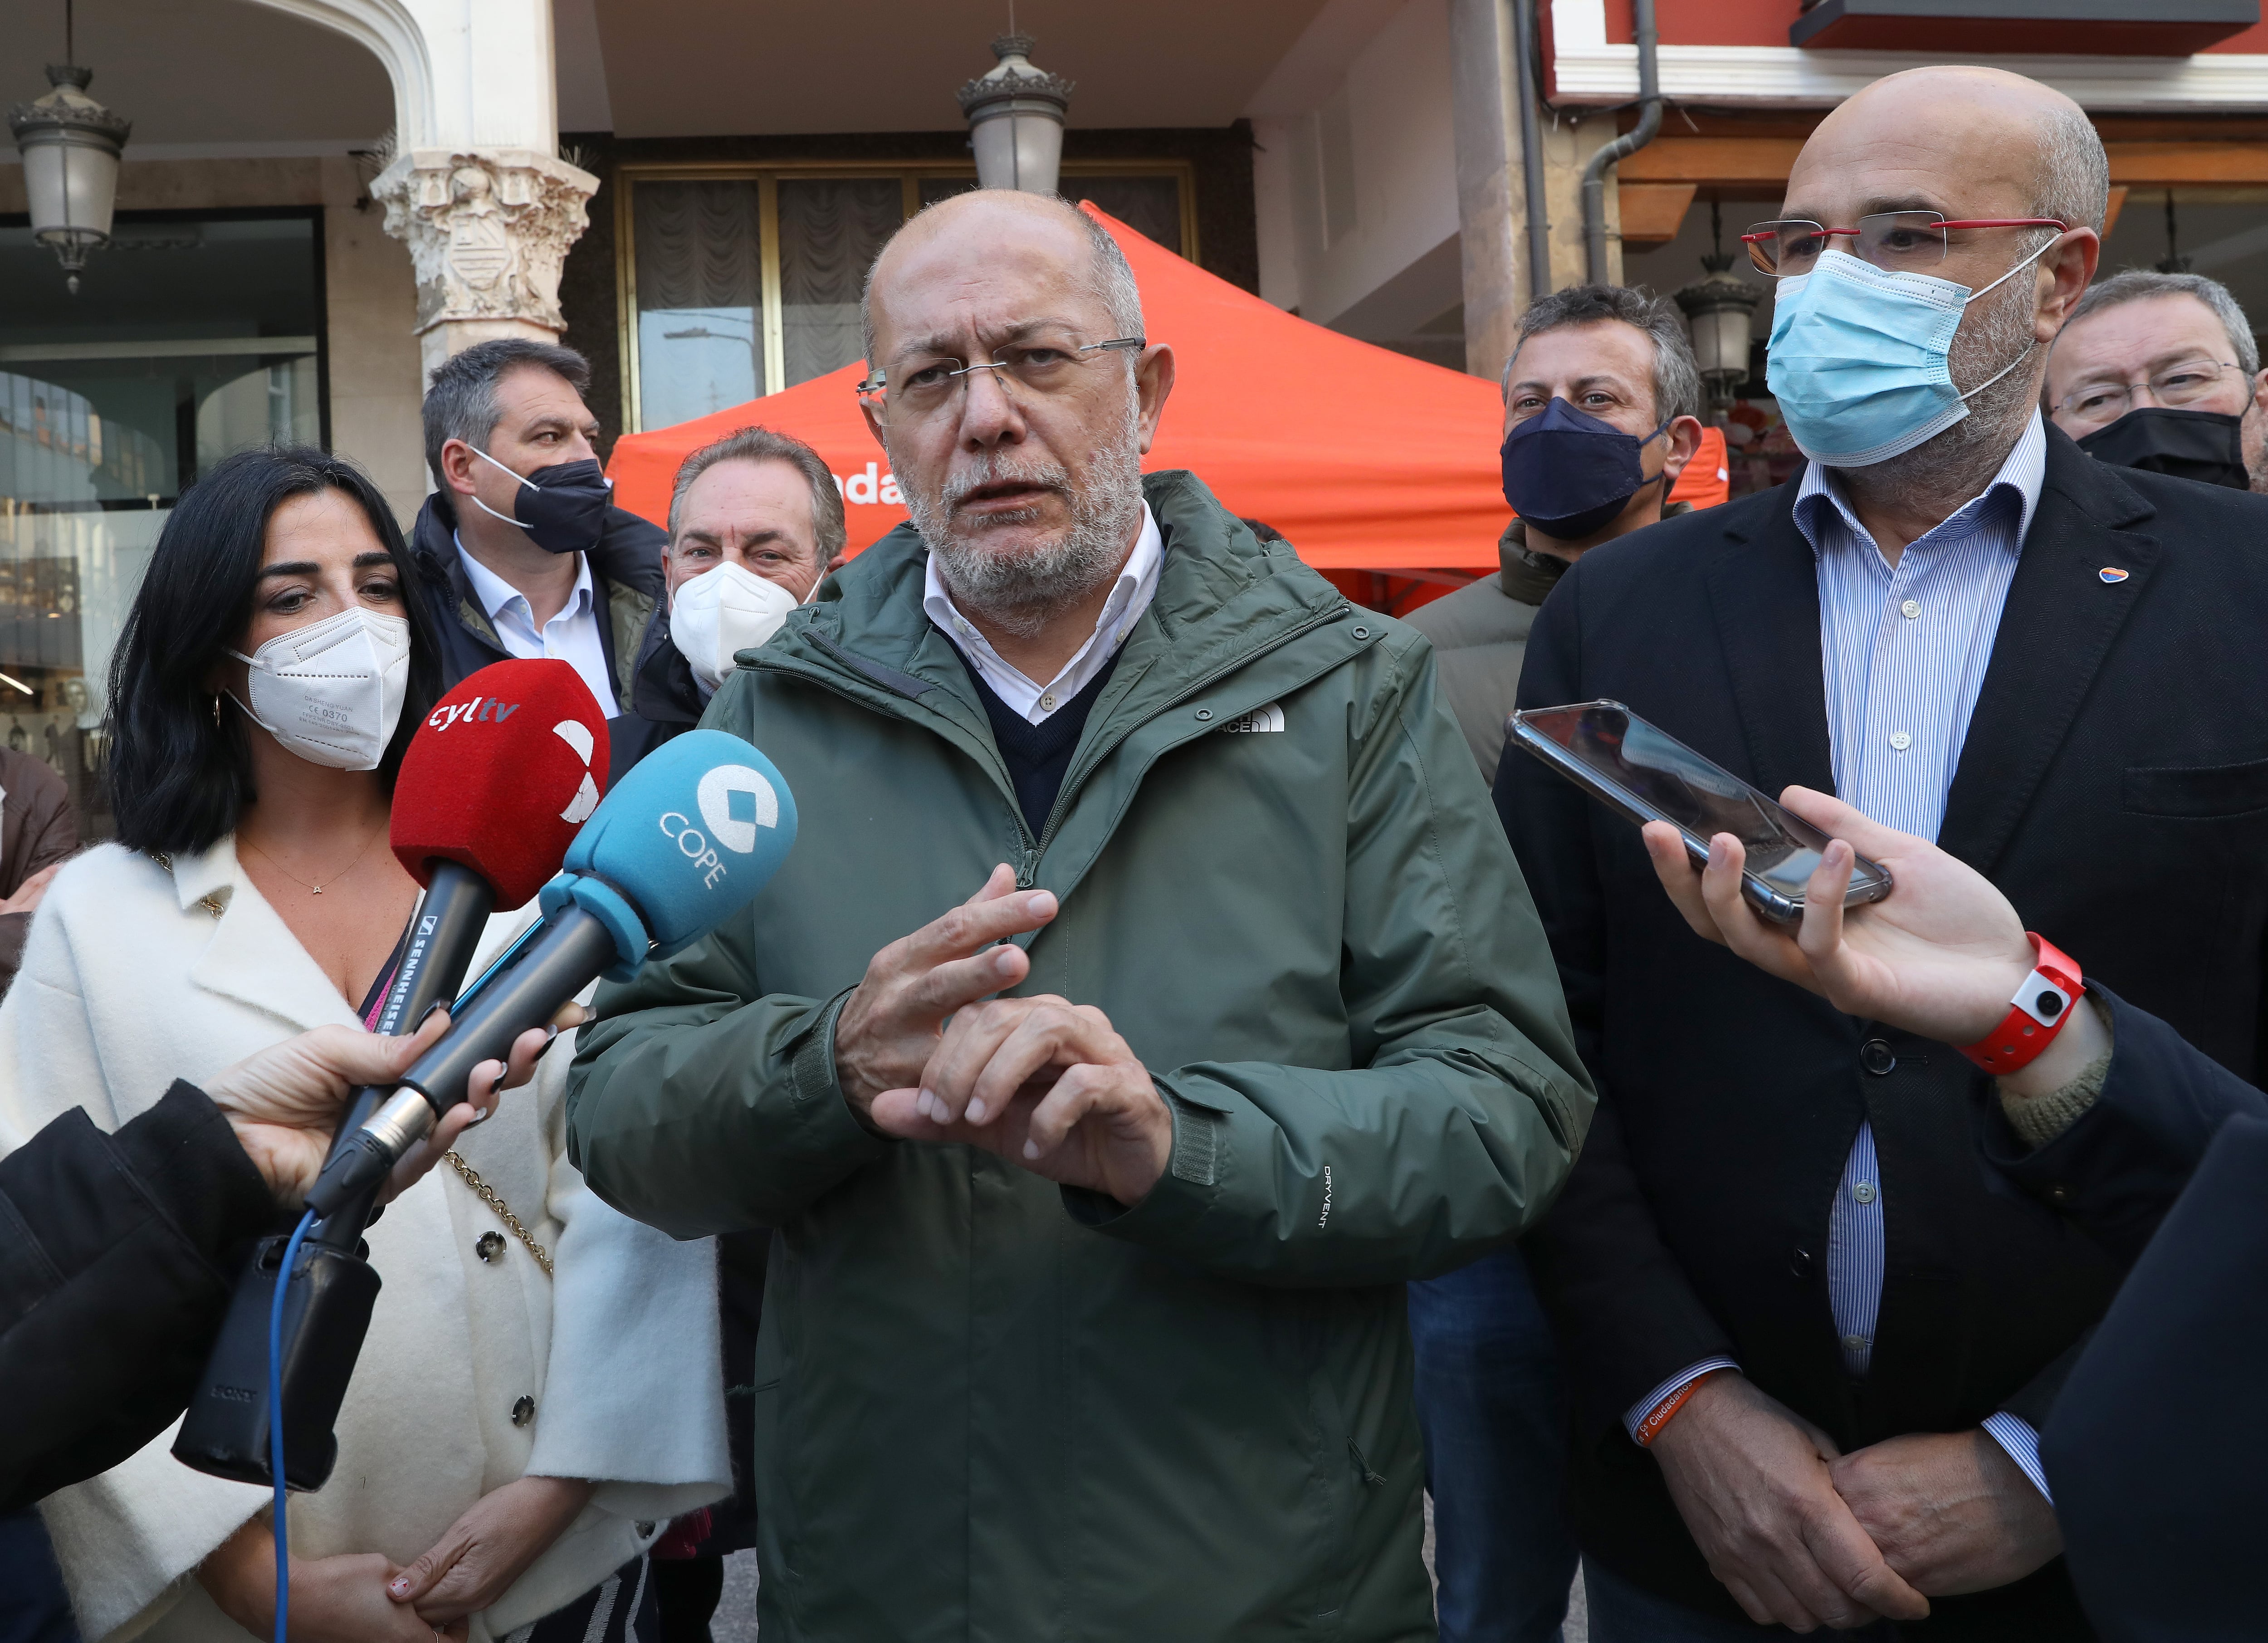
(2043, 1002)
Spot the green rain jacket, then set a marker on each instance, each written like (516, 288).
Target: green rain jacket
(990, 1407)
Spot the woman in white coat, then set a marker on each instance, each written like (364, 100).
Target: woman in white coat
(540, 1391)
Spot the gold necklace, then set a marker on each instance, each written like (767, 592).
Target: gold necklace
(316, 889)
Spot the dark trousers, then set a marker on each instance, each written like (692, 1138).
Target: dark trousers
(33, 1606)
(1496, 1453)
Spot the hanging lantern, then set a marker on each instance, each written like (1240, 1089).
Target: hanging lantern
(1015, 115)
(71, 145)
(1720, 311)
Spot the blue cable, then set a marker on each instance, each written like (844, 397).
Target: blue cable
(276, 1418)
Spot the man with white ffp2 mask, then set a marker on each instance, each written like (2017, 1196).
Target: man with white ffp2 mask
(754, 522)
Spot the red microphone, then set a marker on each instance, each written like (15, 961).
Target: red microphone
(493, 789)
(500, 776)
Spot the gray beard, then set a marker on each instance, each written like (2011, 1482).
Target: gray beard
(1024, 589)
(1955, 465)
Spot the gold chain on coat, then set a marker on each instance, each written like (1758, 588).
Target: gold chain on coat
(489, 1196)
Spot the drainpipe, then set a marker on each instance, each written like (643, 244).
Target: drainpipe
(1649, 125)
(1531, 152)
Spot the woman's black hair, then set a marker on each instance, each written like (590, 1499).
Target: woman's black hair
(179, 767)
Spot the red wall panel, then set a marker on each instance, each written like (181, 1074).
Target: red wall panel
(1765, 23)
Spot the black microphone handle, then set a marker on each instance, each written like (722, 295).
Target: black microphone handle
(573, 949)
(445, 934)
(571, 954)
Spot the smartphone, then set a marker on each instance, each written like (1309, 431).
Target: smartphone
(1649, 775)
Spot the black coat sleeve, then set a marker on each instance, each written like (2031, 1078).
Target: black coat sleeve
(2118, 1169)
(1625, 1312)
(117, 1253)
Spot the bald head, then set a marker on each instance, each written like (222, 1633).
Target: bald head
(949, 240)
(1968, 142)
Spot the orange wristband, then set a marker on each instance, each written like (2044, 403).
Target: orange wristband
(1658, 1416)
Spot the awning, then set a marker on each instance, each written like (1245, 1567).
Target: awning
(1364, 458)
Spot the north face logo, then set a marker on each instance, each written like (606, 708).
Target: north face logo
(1270, 716)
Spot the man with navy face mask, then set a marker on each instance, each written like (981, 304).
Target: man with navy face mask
(1601, 412)
(1810, 1347)
(1600, 400)
(520, 550)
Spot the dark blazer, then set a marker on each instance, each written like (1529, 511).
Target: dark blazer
(38, 828)
(2114, 784)
(117, 1256)
(2155, 1452)
(627, 585)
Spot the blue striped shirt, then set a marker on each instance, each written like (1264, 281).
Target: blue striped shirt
(1903, 649)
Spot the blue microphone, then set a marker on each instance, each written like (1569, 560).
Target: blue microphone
(683, 843)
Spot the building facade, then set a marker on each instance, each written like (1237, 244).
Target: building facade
(322, 198)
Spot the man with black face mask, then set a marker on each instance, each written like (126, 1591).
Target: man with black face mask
(1600, 397)
(520, 550)
(1602, 413)
(2159, 372)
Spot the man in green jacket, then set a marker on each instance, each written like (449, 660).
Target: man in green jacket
(1096, 1193)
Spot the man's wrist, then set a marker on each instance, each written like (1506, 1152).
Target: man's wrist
(1646, 1420)
(2086, 1038)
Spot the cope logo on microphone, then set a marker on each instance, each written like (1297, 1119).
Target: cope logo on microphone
(733, 801)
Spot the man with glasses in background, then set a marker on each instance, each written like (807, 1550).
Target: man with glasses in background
(2161, 372)
(1096, 1193)
(1810, 1346)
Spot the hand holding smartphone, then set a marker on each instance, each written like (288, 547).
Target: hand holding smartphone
(1650, 776)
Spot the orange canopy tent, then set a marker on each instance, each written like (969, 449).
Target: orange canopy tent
(1364, 458)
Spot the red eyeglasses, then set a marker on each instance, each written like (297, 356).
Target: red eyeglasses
(1893, 241)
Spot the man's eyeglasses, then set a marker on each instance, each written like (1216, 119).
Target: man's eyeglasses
(2092, 404)
(1895, 242)
(1045, 366)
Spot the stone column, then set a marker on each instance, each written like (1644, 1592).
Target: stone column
(487, 230)
(1492, 193)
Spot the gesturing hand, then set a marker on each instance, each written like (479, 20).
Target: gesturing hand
(891, 1024)
(1046, 1084)
(1750, 1480)
(1951, 1512)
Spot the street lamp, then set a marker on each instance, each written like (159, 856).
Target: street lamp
(1720, 309)
(70, 144)
(1015, 115)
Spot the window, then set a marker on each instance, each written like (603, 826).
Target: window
(192, 336)
(738, 282)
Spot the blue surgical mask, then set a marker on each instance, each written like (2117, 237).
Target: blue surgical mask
(1857, 358)
(1569, 474)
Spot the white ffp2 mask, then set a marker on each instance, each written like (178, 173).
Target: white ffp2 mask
(332, 692)
(725, 611)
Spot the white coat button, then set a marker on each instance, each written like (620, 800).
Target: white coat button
(489, 1246)
(1863, 1191)
(523, 1411)
(1900, 741)
(1911, 610)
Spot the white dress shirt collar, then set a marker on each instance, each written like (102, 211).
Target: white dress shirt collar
(1130, 597)
(495, 593)
(2020, 481)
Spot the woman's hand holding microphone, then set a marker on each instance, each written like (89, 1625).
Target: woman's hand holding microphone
(1940, 956)
(283, 1101)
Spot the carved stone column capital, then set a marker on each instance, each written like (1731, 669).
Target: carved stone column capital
(487, 230)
